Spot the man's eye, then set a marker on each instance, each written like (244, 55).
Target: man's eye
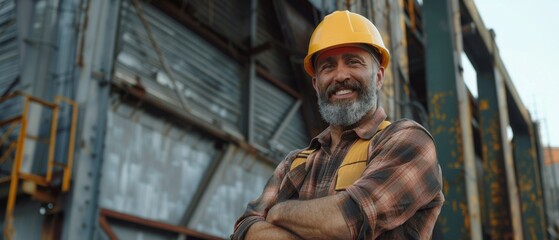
(353, 61)
(327, 66)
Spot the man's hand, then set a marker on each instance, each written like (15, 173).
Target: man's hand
(266, 230)
(318, 218)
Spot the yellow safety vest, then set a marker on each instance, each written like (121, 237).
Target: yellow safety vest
(354, 163)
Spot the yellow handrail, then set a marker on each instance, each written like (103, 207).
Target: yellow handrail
(72, 142)
(16, 173)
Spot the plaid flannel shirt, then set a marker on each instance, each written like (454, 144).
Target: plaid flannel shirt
(399, 195)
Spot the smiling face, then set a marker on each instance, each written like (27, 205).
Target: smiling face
(347, 80)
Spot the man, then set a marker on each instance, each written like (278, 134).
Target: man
(397, 193)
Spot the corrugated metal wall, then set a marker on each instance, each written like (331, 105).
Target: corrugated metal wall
(272, 108)
(239, 178)
(228, 18)
(152, 168)
(206, 78)
(275, 59)
(9, 56)
(9, 59)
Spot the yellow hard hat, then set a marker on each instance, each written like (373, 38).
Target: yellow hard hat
(344, 27)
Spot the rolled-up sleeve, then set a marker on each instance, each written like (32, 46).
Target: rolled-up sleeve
(258, 209)
(402, 176)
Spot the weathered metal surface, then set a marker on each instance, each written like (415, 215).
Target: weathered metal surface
(240, 178)
(99, 31)
(130, 226)
(152, 168)
(497, 206)
(270, 107)
(9, 55)
(450, 121)
(530, 187)
(206, 78)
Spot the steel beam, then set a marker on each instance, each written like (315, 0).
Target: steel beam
(493, 126)
(450, 121)
(529, 181)
(95, 62)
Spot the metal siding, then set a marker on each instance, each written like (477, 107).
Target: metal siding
(271, 107)
(295, 135)
(239, 179)
(208, 79)
(275, 59)
(9, 56)
(27, 220)
(152, 168)
(8, 44)
(227, 18)
(131, 231)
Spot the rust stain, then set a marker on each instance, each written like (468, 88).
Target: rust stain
(438, 100)
(464, 210)
(483, 105)
(445, 186)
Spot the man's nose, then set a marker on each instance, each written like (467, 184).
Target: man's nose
(342, 73)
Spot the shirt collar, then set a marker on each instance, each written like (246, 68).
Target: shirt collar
(366, 130)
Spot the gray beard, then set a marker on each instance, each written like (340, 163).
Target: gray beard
(350, 112)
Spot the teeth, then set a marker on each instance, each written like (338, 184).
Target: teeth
(341, 92)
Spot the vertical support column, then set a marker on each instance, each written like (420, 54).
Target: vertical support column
(530, 187)
(493, 122)
(450, 120)
(95, 62)
(492, 127)
(252, 71)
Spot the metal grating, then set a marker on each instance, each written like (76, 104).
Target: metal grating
(208, 79)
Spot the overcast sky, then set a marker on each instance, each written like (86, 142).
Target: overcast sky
(527, 35)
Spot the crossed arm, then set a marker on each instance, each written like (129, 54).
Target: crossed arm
(405, 176)
(294, 219)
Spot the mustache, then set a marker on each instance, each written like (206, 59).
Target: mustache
(349, 84)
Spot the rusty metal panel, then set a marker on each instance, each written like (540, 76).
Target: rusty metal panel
(240, 178)
(492, 129)
(529, 186)
(450, 121)
(206, 78)
(152, 168)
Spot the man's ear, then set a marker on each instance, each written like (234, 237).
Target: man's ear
(314, 84)
(380, 77)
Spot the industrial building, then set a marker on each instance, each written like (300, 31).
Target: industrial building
(130, 119)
